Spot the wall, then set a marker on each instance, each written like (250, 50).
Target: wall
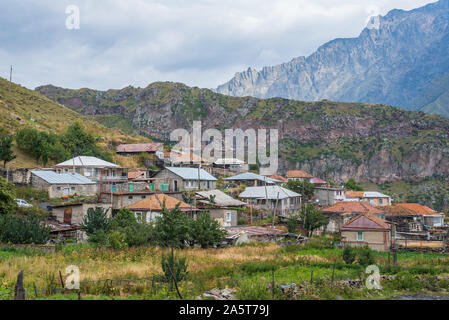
(219, 214)
(20, 177)
(376, 240)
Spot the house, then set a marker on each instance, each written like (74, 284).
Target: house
(374, 198)
(298, 175)
(287, 201)
(317, 182)
(62, 184)
(186, 178)
(341, 212)
(251, 180)
(328, 196)
(367, 230)
(241, 235)
(93, 168)
(150, 208)
(178, 158)
(414, 221)
(73, 213)
(220, 205)
(231, 164)
(155, 148)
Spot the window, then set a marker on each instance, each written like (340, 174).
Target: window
(58, 188)
(139, 216)
(359, 236)
(130, 197)
(143, 197)
(380, 201)
(73, 188)
(228, 217)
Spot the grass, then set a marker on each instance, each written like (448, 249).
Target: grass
(247, 268)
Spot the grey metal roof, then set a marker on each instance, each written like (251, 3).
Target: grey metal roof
(85, 161)
(62, 178)
(252, 176)
(272, 193)
(221, 198)
(191, 173)
(374, 194)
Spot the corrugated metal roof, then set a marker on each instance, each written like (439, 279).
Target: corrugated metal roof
(272, 193)
(62, 178)
(225, 161)
(374, 194)
(252, 176)
(191, 173)
(85, 161)
(221, 198)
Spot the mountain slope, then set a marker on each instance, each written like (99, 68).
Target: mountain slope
(404, 63)
(329, 139)
(21, 107)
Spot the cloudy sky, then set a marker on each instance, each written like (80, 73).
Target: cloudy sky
(198, 42)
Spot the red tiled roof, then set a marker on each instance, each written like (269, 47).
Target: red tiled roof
(318, 181)
(352, 207)
(298, 174)
(135, 174)
(410, 209)
(366, 222)
(278, 177)
(155, 203)
(143, 147)
(354, 194)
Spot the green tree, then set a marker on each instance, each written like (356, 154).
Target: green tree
(172, 228)
(23, 229)
(7, 195)
(349, 254)
(95, 223)
(312, 218)
(124, 218)
(305, 188)
(292, 223)
(352, 185)
(206, 231)
(6, 153)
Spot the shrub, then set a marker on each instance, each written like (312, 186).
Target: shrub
(207, 231)
(140, 234)
(178, 266)
(26, 229)
(366, 256)
(117, 239)
(95, 221)
(292, 224)
(349, 255)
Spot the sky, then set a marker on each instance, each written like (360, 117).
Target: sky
(201, 43)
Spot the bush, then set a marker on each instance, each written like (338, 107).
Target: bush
(178, 266)
(23, 229)
(292, 224)
(94, 222)
(366, 256)
(207, 231)
(117, 240)
(349, 255)
(138, 235)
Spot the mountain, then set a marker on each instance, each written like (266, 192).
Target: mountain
(332, 140)
(404, 62)
(21, 107)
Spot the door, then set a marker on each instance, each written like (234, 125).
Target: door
(68, 215)
(175, 185)
(66, 191)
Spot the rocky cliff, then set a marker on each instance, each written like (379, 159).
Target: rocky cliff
(402, 61)
(331, 140)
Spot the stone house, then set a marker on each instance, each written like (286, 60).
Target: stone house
(63, 184)
(221, 206)
(342, 212)
(185, 178)
(74, 213)
(374, 198)
(155, 148)
(150, 208)
(328, 196)
(279, 200)
(298, 175)
(368, 230)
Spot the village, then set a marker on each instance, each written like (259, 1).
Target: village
(248, 206)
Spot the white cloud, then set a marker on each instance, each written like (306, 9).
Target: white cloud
(201, 43)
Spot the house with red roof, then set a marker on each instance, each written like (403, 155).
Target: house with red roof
(368, 230)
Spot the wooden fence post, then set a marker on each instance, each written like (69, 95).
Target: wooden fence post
(19, 290)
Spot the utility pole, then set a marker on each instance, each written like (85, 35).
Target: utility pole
(275, 208)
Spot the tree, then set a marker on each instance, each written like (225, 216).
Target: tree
(292, 223)
(95, 223)
(172, 228)
(352, 185)
(312, 218)
(7, 195)
(349, 254)
(305, 188)
(23, 229)
(124, 218)
(6, 153)
(206, 231)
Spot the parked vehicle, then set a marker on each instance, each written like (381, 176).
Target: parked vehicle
(22, 203)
